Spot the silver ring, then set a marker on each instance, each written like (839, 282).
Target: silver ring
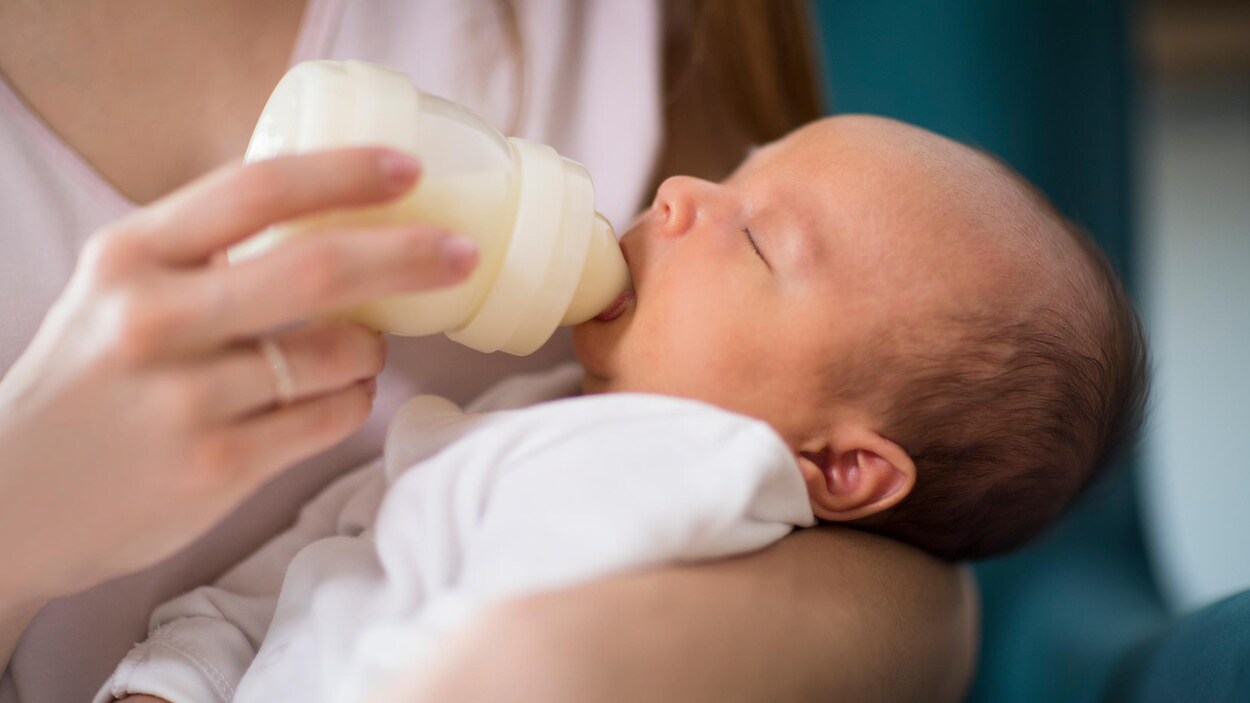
(284, 384)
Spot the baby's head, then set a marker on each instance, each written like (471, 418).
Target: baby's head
(948, 358)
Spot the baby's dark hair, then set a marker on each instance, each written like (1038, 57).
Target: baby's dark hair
(1009, 415)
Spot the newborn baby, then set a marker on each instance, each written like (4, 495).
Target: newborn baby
(949, 359)
(866, 324)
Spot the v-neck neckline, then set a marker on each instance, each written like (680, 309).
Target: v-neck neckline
(312, 39)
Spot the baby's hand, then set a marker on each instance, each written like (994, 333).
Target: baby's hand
(144, 698)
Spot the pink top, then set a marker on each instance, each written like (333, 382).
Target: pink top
(592, 91)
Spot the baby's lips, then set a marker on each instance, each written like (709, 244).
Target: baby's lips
(617, 307)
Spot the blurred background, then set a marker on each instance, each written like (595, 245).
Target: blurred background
(1135, 118)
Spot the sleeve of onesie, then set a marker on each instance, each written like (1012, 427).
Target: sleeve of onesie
(656, 481)
(590, 489)
(201, 643)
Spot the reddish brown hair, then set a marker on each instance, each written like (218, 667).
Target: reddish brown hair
(736, 73)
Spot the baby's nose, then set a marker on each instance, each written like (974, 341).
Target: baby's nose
(677, 201)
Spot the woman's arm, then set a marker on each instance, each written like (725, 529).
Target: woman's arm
(826, 614)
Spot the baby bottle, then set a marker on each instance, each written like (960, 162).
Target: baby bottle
(546, 258)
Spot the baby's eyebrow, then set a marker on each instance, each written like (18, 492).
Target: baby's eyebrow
(799, 248)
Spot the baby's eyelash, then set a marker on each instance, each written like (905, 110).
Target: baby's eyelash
(747, 231)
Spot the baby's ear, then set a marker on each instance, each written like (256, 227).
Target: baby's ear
(859, 474)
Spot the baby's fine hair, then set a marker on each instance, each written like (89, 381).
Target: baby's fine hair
(1009, 417)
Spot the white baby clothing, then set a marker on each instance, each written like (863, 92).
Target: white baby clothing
(465, 509)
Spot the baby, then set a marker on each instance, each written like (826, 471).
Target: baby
(866, 324)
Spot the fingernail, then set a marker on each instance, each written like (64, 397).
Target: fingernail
(398, 167)
(459, 254)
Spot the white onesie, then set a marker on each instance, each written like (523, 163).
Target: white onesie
(465, 509)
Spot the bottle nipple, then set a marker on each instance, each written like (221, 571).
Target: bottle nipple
(603, 278)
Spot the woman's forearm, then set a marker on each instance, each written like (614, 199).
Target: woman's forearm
(827, 614)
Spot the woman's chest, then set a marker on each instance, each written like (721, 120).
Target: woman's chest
(149, 94)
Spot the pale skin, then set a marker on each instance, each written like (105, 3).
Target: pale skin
(891, 623)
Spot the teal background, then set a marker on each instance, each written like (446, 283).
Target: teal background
(1048, 85)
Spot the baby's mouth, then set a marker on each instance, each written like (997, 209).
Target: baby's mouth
(617, 308)
(622, 301)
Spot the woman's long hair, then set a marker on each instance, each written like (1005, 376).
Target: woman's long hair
(737, 73)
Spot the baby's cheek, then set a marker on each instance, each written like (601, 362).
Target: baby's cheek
(687, 333)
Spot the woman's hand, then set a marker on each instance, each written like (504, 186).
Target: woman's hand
(827, 614)
(145, 409)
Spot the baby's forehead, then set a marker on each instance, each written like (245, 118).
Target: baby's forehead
(886, 149)
(911, 204)
(886, 168)
(854, 172)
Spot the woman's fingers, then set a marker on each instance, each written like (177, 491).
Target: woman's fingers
(190, 225)
(320, 357)
(261, 446)
(318, 273)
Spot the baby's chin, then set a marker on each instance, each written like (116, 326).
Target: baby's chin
(593, 347)
(594, 385)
